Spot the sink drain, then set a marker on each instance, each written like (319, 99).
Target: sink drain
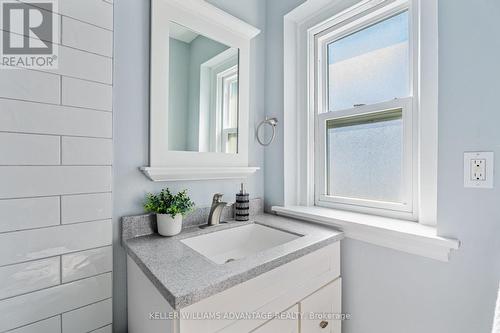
(229, 260)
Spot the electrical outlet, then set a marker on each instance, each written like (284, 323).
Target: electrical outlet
(478, 169)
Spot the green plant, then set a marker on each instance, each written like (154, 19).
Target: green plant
(167, 203)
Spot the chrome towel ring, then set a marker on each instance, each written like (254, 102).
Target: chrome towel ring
(271, 122)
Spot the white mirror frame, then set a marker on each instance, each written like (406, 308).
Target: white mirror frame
(218, 25)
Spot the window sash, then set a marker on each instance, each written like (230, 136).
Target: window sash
(223, 78)
(227, 80)
(407, 172)
(225, 136)
(329, 34)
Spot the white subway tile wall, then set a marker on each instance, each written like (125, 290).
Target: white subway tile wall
(96, 12)
(29, 276)
(31, 181)
(88, 318)
(21, 214)
(50, 325)
(85, 207)
(106, 329)
(83, 264)
(29, 149)
(45, 303)
(31, 86)
(55, 170)
(85, 94)
(21, 246)
(87, 37)
(83, 65)
(36, 118)
(86, 151)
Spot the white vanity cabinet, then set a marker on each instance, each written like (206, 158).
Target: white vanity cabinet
(289, 325)
(309, 284)
(327, 300)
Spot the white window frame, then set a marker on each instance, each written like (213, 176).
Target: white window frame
(224, 79)
(299, 133)
(401, 234)
(319, 37)
(212, 73)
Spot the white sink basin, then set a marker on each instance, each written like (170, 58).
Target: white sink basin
(236, 243)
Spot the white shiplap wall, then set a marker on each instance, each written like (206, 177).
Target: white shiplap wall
(55, 182)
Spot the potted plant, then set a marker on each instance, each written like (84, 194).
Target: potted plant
(169, 209)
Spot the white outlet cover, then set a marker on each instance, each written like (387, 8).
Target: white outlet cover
(469, 180)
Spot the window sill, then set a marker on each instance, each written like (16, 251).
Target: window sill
(406, 236)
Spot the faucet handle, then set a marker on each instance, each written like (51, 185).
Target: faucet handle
(217, 197)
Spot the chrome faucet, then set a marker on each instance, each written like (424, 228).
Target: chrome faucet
(216, 210)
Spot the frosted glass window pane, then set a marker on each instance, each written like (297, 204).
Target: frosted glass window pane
(370, 66)
(364, 156)
(232, 143)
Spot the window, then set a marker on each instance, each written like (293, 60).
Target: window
(219, 90)
(364, 114)
(227, 110)
(328, 142)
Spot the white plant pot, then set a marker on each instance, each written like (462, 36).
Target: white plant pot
(168, 225)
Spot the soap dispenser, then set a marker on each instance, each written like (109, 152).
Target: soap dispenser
(242, 205)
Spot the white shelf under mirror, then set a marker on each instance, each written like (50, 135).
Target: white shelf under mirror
(161, 174)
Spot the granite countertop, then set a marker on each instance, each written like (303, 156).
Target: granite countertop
(184, 276)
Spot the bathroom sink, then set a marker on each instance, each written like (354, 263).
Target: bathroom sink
(236, 243)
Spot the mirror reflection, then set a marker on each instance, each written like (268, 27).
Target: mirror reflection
(203, 93)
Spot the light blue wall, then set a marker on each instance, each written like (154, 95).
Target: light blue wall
(386, 291)
(178, 95)
(202, 49)
(391, 292)
(131, 114)
(273, 160)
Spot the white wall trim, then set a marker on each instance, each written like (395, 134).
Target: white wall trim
(428, 109)
(401, 235)
(207, 11)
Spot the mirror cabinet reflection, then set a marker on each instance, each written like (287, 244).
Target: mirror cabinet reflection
(202, 93)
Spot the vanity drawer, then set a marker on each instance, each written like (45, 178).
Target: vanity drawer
(318, 308)
(273, 291)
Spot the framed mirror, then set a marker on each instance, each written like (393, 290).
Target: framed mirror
(199, 92)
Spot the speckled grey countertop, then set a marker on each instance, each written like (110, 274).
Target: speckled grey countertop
(184, 276)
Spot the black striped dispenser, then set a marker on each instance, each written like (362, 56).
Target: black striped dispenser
(242, 205)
